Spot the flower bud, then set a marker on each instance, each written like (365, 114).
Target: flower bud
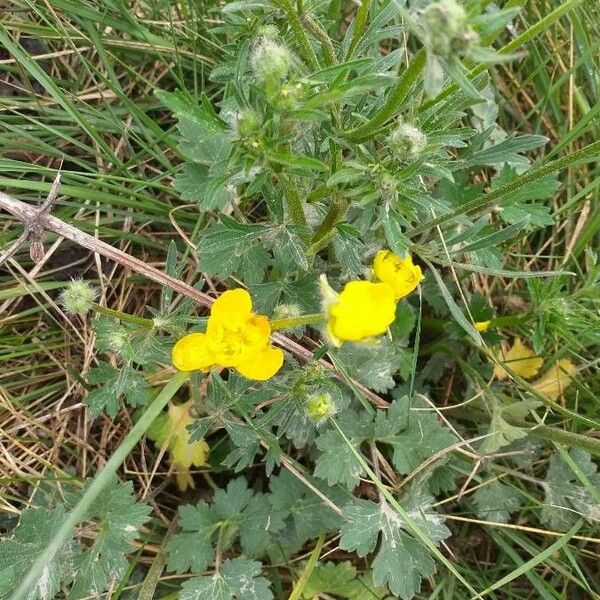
(270, 60)
(246, 124)
(286, 96)
(286, 311)
(407, 141)
(77, 298)
(320, 406)
(447, 28)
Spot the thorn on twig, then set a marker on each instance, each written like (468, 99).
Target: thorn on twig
(33, 231)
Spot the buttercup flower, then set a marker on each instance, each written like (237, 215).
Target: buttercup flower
(235, 337)
(400, 273)
(363, 309)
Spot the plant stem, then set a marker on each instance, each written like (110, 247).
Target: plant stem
(308, 54)
(337, 210)
(395, 98)
(291, 322)
(100, 481)
(294, 204)
(117, 314)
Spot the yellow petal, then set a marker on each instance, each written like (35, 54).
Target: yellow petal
(235, 304)
(552, 383)
(520, 359)
(482, 325)
(364, 309)
(263, 365)
(191, 353)
(401, 273)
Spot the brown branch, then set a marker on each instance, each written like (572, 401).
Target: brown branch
(39, 218)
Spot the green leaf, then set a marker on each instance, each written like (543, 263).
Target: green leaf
(501, 433)
(114, 385)
(297, 163)
(231, 248)
(401, 560)
(341, 580)
(496, 501)
(309, 515)
(565, 498)
(372, 365)
(19, 552)
(505, 152)
(117, 517)
(236, 579)
(192, 547)
(196, 183)
(204, 139)
(417, 437)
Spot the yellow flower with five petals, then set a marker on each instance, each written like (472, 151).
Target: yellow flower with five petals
(400, 273)
(362, 310)
(235, 337)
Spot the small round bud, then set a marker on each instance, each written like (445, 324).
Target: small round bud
(447, 28)
(287, 311)
(407, 141)
(270, 60)
(286, 96)
(320, 406)
(77, 298)
(246, 124)
(117, 339)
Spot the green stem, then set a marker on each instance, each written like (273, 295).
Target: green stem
(100, 481)
(359, 27)
(291, 322)
(544, 432)
(294, 204)
(337, 210)
(308, 54)
(117, 314)
(396, 97)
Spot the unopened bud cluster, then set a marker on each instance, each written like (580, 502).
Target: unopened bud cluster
(447, 28)
(270, 60)
(320, 406)
(272, 63)
(78, 297)
(407, 141)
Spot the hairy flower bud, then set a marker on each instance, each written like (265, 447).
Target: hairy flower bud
(286, 311)
(407, 141)
(77, 298)
(447, 28)
(270, 60)
(320, 406)
(246, 124)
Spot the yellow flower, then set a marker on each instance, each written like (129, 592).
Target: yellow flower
(553, 383)
(520, 359)
(235, 337)
(400, 273)
(482, 326)
(169, 431)
(363, 309)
